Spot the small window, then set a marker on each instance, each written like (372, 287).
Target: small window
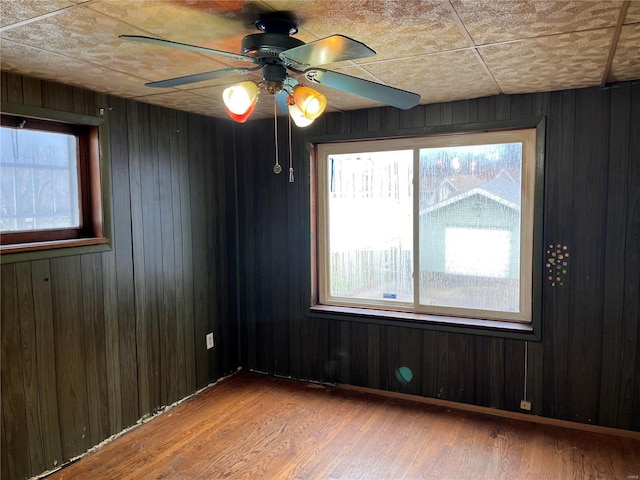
(438, 225)
(49, 184)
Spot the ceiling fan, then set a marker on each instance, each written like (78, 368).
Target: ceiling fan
(276, 53)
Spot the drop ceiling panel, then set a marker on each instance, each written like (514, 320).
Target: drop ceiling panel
(442, 49)
(68, 70)
(626, 61)
(490, 21)
(186, 100)
(14, 12)
(572, 60)
(633, 13)
(394, 29)
(441, 77)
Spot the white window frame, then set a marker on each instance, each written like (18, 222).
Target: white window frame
(527, 136)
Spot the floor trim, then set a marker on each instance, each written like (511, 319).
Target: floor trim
(495, 412)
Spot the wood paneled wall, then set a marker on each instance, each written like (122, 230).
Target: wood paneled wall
(92, 343)
(206, 238)
(587, 367)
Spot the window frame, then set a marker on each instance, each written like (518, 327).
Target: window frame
(94, 233)
(529, 330)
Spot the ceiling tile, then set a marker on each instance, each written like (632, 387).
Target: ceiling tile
(185, 22)
(93, 37)
(43, 64)
(393, 28)
(633, 13)
(489, 21)
(438, 77)
(14, 12)
(626, 60)
(571, 60)
(220, 25)
(185, 100)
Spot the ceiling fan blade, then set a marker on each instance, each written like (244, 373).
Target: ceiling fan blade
(331, 49)
(185, 46)
(364, 88)
(200, 77)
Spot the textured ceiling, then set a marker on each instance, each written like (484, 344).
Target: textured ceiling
(441, 49)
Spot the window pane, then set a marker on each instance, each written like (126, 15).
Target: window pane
(469, 229)
(370, 225)
(39, 180)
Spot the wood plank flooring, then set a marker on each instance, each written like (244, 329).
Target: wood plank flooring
(254, 426)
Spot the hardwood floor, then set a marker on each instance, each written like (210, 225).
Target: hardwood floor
(254, 426)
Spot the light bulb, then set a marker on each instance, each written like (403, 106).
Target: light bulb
(240, 100)
(298, 117)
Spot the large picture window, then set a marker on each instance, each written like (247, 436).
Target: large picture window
(438, 225)
(50, 193)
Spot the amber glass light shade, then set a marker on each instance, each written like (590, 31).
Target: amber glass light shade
(310, 102)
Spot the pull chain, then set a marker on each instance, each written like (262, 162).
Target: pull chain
(290, 155)
(276, 168)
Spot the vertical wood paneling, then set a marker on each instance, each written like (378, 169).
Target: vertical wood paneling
(14, 412)
(614, 264)
(442, 383)
(91, 343)
(199, 247)
(110, 294)
(168, 331)
(152, 258)
(139, 278)
(126, 208)
(587, 270)
(46, 355)
(430, 350)
(210, 242)
(373, 355)
(558, 207)
(300, 227)
(94, 340)
(66, 286)
(407, 370)
(461, 370)
(57, 97)
(112, 346)
(33, 91)
(489, 368)
(358, 348)
(629, 399)
(186, 360)
(28, 347)
(4, 457)
(12, 90)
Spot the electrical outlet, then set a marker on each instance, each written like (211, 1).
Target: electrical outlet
(525, 405)
(210, 342)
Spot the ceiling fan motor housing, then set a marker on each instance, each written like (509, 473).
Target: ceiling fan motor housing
(265, 49)
(268, 45)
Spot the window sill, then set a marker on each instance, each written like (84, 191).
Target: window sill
(37, 250)
(494, 328)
